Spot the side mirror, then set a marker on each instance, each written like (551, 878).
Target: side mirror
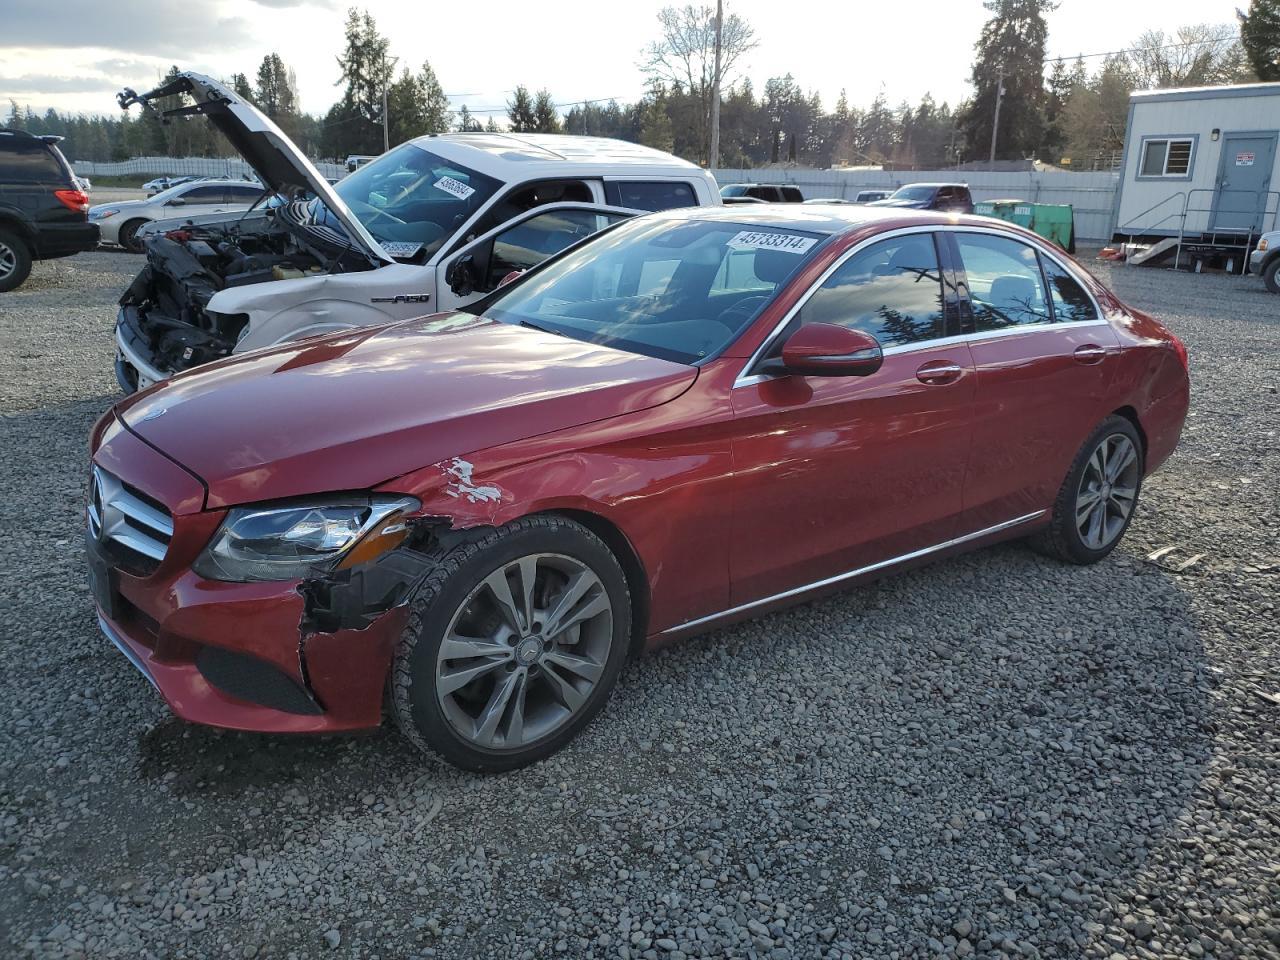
(828, 350)
(461, 275)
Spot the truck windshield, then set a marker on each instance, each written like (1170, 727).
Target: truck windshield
(913, 193)
(675, 289)
(412, 200)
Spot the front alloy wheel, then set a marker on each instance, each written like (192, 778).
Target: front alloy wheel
(513, 644)
(524, 650)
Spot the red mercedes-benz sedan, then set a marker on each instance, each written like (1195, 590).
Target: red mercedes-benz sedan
(473, 519)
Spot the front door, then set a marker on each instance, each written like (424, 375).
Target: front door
(518, 245)
(838, 473)
(1244, 177)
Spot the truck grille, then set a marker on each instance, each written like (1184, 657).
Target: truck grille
(130, 524)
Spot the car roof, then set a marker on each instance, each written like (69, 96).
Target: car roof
(522, 156)
(829, 218)
(942, 183)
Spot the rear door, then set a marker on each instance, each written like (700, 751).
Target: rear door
(199, 199)
(516, 246)
(1044, 358)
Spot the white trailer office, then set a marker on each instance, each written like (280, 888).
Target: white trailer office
(1201, 165)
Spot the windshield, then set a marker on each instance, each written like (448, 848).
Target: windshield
(411, 200)
(914, 193)
(734, 190)
(675, 289)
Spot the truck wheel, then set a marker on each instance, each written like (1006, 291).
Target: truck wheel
(129, 236)
(15, 261)
(1271, 275)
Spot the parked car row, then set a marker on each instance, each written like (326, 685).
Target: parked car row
(949, 197)
(540, 403)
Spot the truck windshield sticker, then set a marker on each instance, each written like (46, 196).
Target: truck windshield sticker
(455, 188)
(784, 242)
(401, 248)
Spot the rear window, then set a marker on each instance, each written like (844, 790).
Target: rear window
(650, 195)
(24, 160)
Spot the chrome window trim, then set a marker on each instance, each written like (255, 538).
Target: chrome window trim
(746, 379)
(850, 574)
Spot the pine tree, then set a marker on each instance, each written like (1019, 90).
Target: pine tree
(466, 122)
(1011, 45)
(1260, 34)
(545, 118)
(520, 111)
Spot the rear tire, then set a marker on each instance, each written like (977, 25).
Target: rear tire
(1097, 500)
(519, 678)
(129, 235)
(15, 261)
(1271, 275)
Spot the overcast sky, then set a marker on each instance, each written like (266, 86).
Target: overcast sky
(75, 54)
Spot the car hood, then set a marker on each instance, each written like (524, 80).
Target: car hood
(278, 162)
(353, 410)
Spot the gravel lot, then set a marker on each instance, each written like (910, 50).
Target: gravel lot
(993, 756)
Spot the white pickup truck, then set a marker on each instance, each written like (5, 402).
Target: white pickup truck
(431, 225)
(1265, 260)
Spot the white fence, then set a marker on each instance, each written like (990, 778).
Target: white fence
(185, 167)
(1093, 195)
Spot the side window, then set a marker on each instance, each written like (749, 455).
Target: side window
(527, 244)
(1005, 286)
(792, 195)
(23, 160)
(650, 195)
(1071, 304)
(525, 198)
(891, 290)
(209, 194)
(245, 194)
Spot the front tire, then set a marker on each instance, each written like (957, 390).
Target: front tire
(1271, 275)
(129, 236)
(15, 261)
(513, 645)
(1097, 500)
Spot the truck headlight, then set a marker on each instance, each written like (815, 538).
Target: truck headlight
(288, 541)
(1262, 244)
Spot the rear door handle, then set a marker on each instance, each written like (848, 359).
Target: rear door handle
(937, 372)
(1089, 353)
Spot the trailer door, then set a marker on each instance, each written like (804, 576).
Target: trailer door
(1244, 177)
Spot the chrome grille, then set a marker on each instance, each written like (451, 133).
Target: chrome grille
(123, 519)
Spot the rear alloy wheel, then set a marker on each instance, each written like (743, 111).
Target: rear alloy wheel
(129, 236)
(513, 645)
(1098, 498)
(15, 261)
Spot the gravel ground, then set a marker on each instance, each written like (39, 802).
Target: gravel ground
(993, 756)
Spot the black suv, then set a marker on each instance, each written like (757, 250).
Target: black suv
(948, 197)
(43, 210)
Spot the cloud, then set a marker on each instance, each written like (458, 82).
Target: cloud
(151, 27)
(286, 4)
(49, 83)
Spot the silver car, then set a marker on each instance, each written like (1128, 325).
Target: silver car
(120, 221)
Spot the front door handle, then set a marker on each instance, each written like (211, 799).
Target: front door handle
(937, 372)
(1089, 353)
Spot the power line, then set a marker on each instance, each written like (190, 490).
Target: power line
(1163, 46)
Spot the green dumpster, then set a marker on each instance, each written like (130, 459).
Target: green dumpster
(1053, 221)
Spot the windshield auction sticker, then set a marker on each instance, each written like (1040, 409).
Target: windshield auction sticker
(455, 188)
(784, 242)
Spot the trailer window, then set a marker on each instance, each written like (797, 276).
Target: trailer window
(1166, 157)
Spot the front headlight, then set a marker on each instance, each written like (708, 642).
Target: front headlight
(1262, 244)
(100, 214)
(292, 540)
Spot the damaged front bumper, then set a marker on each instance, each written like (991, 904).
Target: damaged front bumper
(134, 367)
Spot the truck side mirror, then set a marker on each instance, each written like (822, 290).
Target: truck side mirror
(461, 275)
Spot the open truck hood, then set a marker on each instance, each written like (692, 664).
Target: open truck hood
(274, 157)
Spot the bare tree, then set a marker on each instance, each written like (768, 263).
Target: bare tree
(685, 56)
(1203, 54)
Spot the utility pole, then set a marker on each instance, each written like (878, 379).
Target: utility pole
(715, 93)
(386, 77)
(995, 122)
